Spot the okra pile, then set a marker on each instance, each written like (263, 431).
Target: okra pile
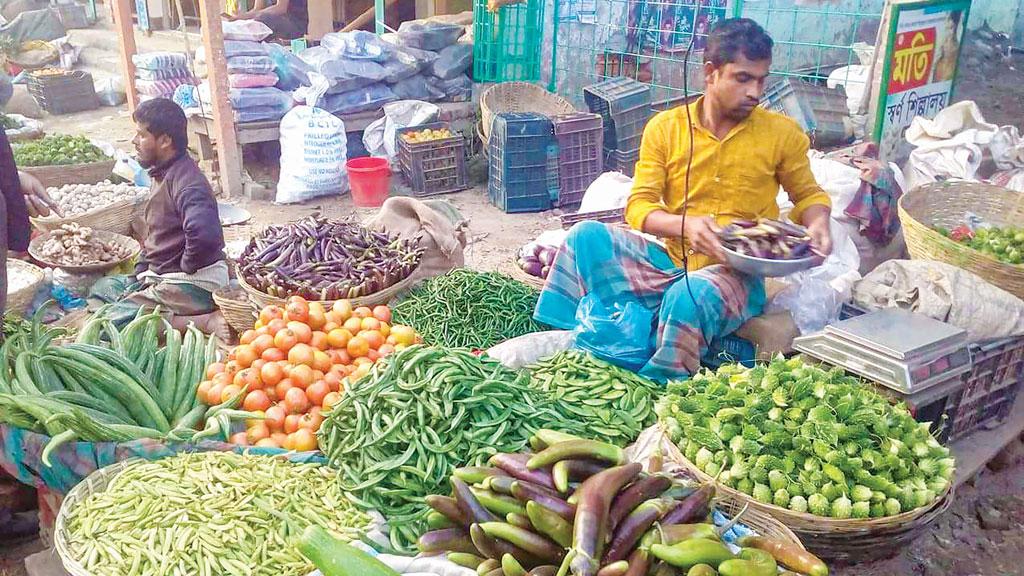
(467, 309)
(397, 433)
(576, 506)
(807, 439)
(209, 513)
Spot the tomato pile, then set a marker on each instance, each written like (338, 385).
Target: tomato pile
(294, 365)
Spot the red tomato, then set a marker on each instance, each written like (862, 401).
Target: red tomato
(274, 355)
(295, 401)
(301, 354)
(257, 433)
(291, 423)
(262, 343)
(330, 400)
(271, 373)
(382, 313)
(214, 369)
(279, 438)
(203, 389)
(240, 438)
(283, 387)
(275, 416)
(303, 440)
(267, 443)
(302, 376)
(256, 400)
(311, 421)
(317, 391)
(229, 392)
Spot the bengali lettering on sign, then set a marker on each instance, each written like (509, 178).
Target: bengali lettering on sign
(912, 60)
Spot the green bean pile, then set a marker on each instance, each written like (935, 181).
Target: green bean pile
(615, 403)
(397, 433)
(209, 513)
(468, 309)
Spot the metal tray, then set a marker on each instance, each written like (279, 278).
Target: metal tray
(900, 334)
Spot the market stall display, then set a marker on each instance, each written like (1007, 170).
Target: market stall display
(109, 384)
(815, 448)
(74, 246)
(201, 513)
(103, 206)
(60, 159)
(927, 209)
(293, 365)
(325, 260)
(523, 514)
(396, 434)
(1003, 244)
(464, 308)
(617, 403)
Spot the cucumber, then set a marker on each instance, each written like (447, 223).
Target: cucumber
(69, 382)
(118, 362)
(24, 376)
(335, 558)
(184, 376)
(89, 386)
(116, 342)
(167, 384)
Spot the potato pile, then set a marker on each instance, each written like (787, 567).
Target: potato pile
(75, 245)
(75, 199)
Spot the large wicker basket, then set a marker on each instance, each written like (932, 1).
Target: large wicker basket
(851, 540)
(519, 97)
(19, 301)
(237, 308)
(945, 205)
(34, 248)
(117, 217)
(262, 299)
(53, 176)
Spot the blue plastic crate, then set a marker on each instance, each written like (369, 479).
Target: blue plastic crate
(519, 162)
(730, 349)
(617, 95)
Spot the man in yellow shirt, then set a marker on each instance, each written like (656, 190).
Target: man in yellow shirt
(685, 189)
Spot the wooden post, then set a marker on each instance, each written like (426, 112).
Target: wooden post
(229, 158)
(321, 19)
(122, 12)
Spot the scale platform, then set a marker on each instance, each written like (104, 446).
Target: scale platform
(899, 349)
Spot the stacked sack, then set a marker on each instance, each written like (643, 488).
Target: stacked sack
(252, 74)
(158, 74)
(423, 61)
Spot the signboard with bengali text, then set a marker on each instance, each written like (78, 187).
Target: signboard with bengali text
(919, 66)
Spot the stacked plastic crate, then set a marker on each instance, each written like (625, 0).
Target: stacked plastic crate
(580, 158)
(433, 166)
(625, 107)
(519, 152)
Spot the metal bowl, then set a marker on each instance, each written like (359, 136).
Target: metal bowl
(766, 268)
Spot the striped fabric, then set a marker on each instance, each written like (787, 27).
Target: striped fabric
(619, 267)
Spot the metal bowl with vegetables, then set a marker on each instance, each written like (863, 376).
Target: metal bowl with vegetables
(768, 248)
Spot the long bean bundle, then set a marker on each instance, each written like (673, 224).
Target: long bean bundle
(467, 309)
(397, 434)
(209, 513)
(320, 259)
(615, 403)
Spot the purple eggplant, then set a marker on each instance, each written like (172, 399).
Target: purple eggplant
(446, 540)
(638, 492)
(590, 528)
(515, 465)
(633, 527)
(526, 492)
(468, 504)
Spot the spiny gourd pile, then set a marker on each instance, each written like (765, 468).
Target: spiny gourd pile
(800, 437)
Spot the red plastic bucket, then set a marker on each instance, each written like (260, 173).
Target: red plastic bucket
(370, 179)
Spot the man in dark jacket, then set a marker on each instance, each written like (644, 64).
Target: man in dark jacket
(23, 196)
(183, 251)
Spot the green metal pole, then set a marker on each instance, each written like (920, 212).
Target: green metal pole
(552, 81)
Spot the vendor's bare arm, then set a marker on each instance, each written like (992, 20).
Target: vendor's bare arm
(816, 219)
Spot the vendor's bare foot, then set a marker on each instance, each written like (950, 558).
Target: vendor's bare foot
(213, 323)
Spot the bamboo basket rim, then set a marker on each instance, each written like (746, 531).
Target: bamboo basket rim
(261, 299)
(132, 244)
(95, 482)
(236, 306)
(810, 523)
(525, 277)
(27, 293)
(58, 167)
(759, 521)
(496, 100)
(57, 221)
(931, 236)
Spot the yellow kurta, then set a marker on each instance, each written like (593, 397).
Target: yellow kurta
(735, 178)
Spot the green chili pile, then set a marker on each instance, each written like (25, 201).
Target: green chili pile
(397, 433)
(209, 513)
(467, 309)
(615, 403)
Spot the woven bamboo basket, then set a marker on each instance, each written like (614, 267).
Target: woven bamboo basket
(93, 484)
(54, 176)
(34, 248)
(851, 540)
(116, 217)
(944, 204)
(19, 301)
(529, 279)
(261, 299)
(237, 308)
(763, 523)
(519, 97)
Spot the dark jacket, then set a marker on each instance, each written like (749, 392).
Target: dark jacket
(183, 232)
(19, 230)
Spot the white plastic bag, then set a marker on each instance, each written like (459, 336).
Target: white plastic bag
(379, 137)
(252, 30)
(949, 146)
(531, 348)
(608, 192)
(313, 152)
(814, 296)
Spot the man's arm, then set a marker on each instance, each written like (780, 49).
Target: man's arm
(19, 230)
(812, 206)
(201, 224)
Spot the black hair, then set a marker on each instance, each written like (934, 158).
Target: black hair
(734, 36)
(162, 117)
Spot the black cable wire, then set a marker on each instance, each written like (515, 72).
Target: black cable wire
(689, 158)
